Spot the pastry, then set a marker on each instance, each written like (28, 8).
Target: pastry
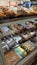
(14, 30)
(25, 36)
(29, 46)
(26, 11)
(8, 43)
(8, 11)
(18, 38)
(32, 33)
(2, 13)
(11, 58)
(5, 30)
(30, 26)
(20, 51)
(1, 34)
(19, 11)
(34, 9)
(19, 27)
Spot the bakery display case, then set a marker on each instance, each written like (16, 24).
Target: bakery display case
(18, 33)
(19, 41)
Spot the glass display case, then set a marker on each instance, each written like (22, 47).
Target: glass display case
(12, 51)
(18, 32)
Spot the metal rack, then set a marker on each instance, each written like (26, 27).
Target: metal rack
(30, 57)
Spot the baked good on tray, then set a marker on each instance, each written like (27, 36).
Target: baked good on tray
(13, 11)
(34, 8)
(28, 46)
(18, 39)
(25, 36)
(7, 43)
(20, 51)
(2, 13)
(11, 58)
(8, 11)
(14, 30)
(32, 34)
(26, 11)
(5, 30)
(19, 11)
(30, 26)
(19, 27)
